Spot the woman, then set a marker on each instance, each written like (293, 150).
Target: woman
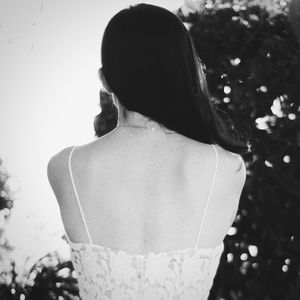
(146, 207)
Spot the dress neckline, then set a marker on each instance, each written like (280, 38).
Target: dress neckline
(205, 250)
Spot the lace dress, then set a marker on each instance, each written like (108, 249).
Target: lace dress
(109, 274)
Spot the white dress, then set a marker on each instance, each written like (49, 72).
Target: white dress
(110, 274)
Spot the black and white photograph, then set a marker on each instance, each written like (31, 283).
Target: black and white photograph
(150, 150)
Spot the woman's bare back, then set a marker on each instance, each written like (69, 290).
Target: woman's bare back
(144, 191)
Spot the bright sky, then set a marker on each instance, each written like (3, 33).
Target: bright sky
(49, 57)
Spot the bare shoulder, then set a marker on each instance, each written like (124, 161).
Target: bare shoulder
(234, 162)
(238, 171)
(57, 167)
(232, 159)
(57, 161)
(231, 166)
(235, 166)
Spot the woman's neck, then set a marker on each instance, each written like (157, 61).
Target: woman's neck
(133, 118)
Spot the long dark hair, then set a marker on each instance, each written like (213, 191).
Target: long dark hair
(149, 61)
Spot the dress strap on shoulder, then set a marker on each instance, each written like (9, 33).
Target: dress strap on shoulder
(209, 194)
(77, 198)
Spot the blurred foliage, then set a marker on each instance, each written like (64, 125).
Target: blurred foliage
(294, 16)
(273, 6)
(50, 278)
(253, 69)
(6, 202)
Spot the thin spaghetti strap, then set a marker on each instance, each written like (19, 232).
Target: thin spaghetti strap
(77, 198)
(209, 195)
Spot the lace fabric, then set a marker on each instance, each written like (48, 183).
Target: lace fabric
(108, 274)
(104, 273)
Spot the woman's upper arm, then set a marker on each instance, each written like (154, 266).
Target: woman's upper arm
(56, 172)
(240, 180)
(53, 173)
(242, 170)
